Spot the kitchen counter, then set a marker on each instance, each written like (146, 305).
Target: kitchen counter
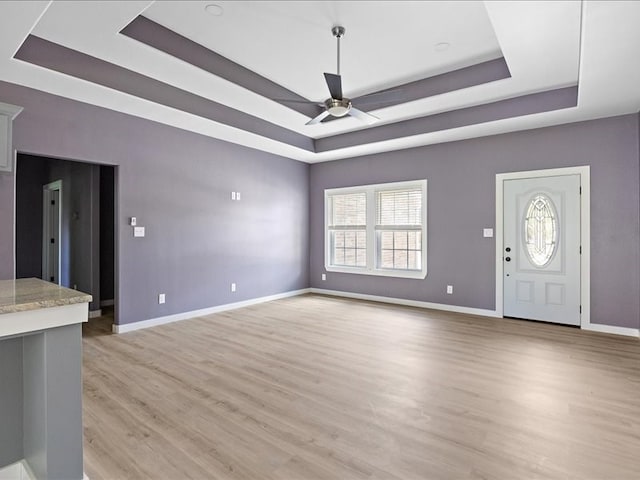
(41, 378)
(36, 296)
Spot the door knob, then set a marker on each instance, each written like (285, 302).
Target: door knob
(508, 249)
(507, 259)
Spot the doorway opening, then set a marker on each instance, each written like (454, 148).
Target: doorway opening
(66, 226)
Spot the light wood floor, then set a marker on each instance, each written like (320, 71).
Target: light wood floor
(315, 387)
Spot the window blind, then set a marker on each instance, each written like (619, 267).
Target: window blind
(399, 229)
(348, 229)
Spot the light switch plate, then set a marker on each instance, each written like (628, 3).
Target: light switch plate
(487, 232)
(138, 231)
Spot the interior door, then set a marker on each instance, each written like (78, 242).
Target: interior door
(52, 204)
(542, 249)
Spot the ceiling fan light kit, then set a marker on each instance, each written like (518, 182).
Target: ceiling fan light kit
(338, 108)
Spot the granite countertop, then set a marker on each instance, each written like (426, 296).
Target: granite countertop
(32, 294)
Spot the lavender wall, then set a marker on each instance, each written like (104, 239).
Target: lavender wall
(31, 174)
(461, 202)
(198, 241)
(178, 185)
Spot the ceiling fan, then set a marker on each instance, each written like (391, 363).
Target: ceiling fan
(338, 105)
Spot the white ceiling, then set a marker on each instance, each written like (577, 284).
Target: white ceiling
(546, 44)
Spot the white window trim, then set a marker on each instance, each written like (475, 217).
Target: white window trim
(371, 269)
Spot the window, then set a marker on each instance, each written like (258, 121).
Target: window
(377, 229)
(348, 229)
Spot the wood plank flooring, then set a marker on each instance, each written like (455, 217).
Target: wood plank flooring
(315, 387)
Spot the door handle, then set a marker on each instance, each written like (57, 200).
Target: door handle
(507, 259)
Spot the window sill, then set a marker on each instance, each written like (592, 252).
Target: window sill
(414, 274)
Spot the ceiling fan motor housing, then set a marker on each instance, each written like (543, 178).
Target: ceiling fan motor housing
(338, 107)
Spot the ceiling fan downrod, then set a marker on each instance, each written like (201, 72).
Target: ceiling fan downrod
(337, 105)
(338, 32)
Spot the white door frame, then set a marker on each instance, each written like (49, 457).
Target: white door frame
(585, 231)
(46, 199)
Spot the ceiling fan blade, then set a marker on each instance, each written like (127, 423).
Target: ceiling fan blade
(385, 96)
(318, 119)
(363, 116)
(334, 82)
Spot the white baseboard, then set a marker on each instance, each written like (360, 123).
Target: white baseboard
(22, 471)
(17, 471)
(12, 472)
(107, 303)
(597, 327)
(95, 313)
(408, 303)
(130, 327)
(153, 322)
(594, 327)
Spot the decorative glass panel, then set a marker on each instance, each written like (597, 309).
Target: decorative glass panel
(540, 230)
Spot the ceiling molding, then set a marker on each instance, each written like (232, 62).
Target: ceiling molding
(46, 54)
(513, 107)
(50, 55)
(161, 38)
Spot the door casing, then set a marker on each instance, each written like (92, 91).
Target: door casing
(585, 230)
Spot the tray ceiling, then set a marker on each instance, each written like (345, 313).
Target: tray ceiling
(464, 69)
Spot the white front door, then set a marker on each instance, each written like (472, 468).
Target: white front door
(542, 249)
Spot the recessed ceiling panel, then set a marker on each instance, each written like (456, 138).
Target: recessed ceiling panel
(386, 43)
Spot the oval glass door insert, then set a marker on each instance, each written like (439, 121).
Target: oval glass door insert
(540, 230)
